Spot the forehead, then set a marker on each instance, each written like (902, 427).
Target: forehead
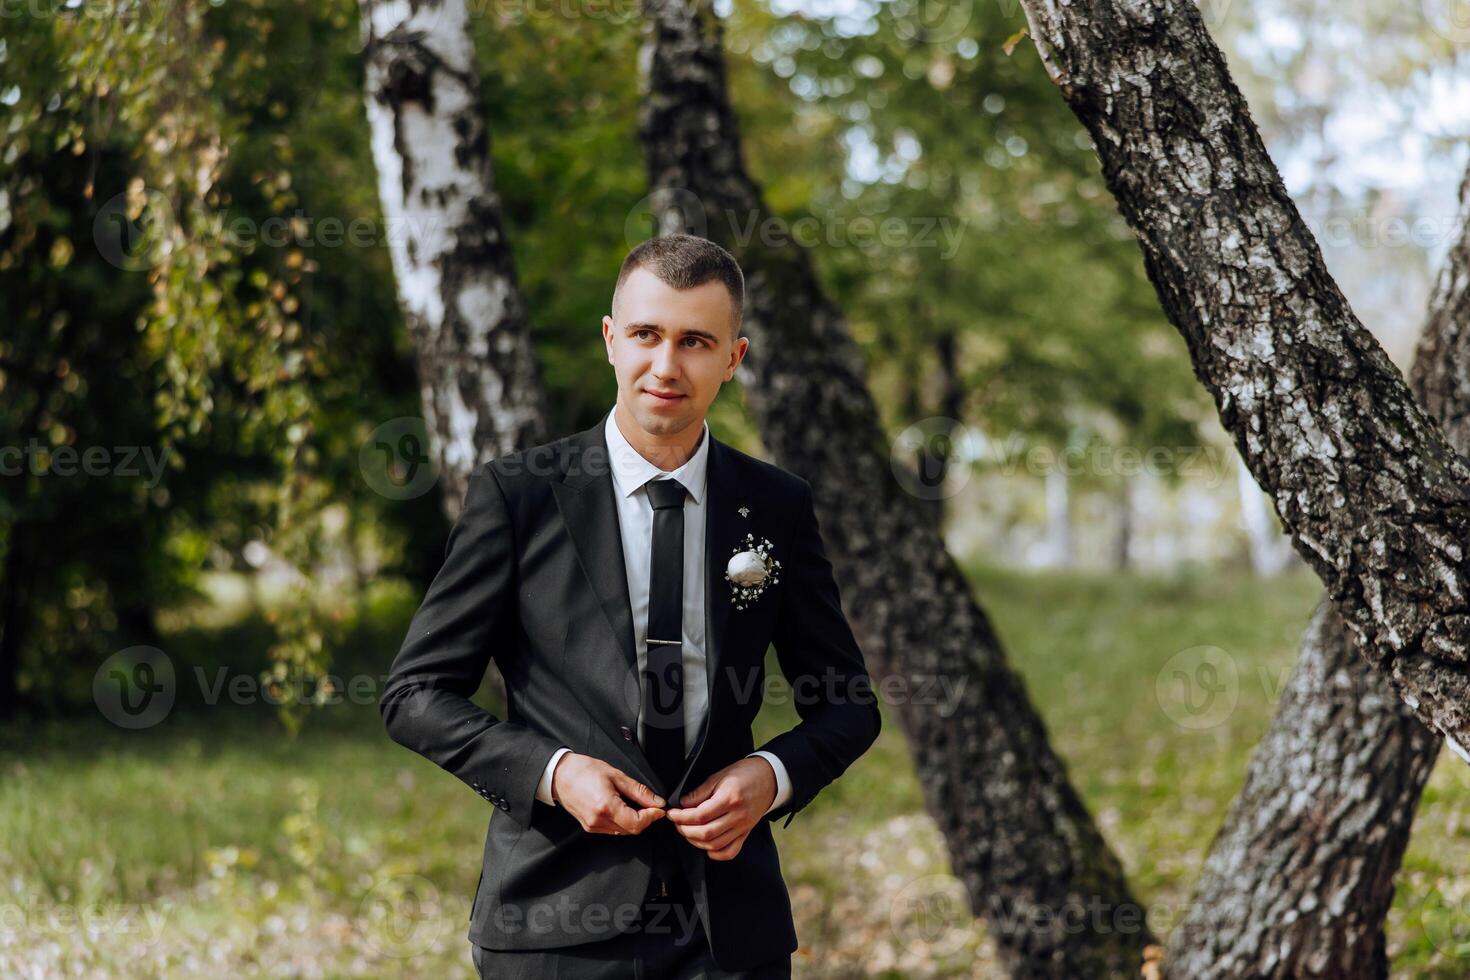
(644, 298)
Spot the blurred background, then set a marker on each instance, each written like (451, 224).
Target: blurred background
(203, 358)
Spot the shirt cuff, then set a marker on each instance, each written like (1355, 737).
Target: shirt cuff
(783, 781)
(543, 789)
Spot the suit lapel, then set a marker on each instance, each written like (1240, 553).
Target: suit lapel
(585, 496)
(719, 543)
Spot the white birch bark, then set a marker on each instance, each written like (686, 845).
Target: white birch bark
(1374, 496)
(481, 388)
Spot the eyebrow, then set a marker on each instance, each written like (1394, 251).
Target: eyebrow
(632, 327)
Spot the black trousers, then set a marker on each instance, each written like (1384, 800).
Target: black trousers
(667, 943)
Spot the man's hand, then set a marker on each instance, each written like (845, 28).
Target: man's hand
(718, 814)
(592, 791)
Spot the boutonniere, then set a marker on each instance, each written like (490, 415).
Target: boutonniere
(751, 569)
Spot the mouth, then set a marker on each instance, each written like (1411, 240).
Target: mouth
(663, 396)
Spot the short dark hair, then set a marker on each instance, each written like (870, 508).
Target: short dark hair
(686, 261)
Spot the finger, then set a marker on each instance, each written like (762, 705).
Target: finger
(611, 815)
(649, 815)
(626, 819)
(729, 851)
(715, 806)
(700, 793)
(720, 840)
(635, 791)
(709, 831)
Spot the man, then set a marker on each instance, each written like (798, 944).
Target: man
(628, 580)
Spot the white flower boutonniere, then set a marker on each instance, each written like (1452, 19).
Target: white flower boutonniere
(751, 570)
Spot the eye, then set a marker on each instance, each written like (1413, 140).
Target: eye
(639, 334)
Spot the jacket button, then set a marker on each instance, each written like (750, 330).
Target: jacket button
(626, 732)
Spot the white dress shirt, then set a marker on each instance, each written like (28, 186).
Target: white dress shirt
(635, 520)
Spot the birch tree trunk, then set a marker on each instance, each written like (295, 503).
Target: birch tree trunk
(1019, 837)
(1374, 497)
(1300, 878)
(481, 386)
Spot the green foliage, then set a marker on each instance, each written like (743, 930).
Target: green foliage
(151, 165)
(561, 98)
(1003, 237)
(90, 104)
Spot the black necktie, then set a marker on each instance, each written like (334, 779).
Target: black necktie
(663, 676)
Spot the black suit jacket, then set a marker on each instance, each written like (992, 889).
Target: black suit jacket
(533, 577)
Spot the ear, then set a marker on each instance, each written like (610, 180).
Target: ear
(742, 344)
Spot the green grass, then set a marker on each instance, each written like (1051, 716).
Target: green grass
(213, 845)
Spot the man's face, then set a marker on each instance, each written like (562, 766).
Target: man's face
(675, 342)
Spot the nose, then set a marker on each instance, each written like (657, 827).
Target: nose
(665, 361)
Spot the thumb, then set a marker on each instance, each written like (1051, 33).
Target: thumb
(698, 794)
(636, 791)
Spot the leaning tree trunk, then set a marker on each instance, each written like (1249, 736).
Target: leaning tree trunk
(481, 387)
(1374, 496)
(1019, 836)
(1300, 877)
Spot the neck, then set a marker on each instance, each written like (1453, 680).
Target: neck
(667, 452)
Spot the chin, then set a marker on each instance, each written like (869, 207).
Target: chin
(662, 425)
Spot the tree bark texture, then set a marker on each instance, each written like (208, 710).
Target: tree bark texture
(1300, 878)
(481, 386)
(1373, 495)
(1020, 838)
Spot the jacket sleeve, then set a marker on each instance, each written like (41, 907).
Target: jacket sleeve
(821, 660)
(467, 618)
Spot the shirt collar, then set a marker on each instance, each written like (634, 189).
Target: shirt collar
(631, 470)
